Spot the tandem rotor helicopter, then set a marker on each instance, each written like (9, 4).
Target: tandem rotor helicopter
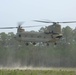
(51, 34)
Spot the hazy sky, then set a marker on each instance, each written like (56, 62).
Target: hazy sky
(14, 11)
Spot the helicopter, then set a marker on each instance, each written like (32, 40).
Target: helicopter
(51, 34)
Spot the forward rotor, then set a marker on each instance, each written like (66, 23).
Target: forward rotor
(20, 26)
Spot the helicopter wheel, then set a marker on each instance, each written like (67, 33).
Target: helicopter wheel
(27, 44)
(55, 43)
(34, 43)
(47, 44)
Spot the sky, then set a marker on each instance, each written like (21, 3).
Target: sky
(14, 11)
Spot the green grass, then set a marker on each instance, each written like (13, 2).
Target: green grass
(36, 72)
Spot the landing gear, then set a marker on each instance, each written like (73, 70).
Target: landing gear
(47, 44)
(55, 43)
(34, 43)
(27, 44)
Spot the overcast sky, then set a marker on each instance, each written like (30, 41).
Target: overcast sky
(14, 11)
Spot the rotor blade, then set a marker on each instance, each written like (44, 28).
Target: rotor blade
(20, 23)
(43, 21)
(7, 27)
(54, 22)
(33, 26)
(68, 22)
(22, 27)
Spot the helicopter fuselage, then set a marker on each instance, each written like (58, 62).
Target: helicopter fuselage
(36, 37)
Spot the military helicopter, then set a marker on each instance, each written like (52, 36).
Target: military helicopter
(51, 34)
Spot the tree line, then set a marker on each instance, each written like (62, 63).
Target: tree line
(14, 53)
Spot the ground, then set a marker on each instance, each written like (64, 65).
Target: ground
(37, 71)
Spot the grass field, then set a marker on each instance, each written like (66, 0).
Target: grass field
(36, 72)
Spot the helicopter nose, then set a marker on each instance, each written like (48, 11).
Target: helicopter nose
(59, 36)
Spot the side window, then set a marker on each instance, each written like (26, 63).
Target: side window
(31, 35)
(38, 36)
(19, 35)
